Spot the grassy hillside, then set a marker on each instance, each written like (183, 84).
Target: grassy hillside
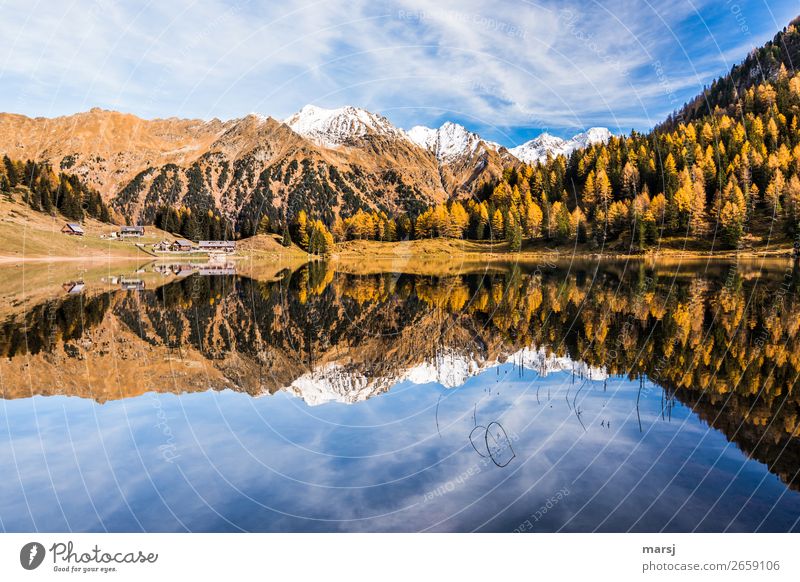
(27, 234)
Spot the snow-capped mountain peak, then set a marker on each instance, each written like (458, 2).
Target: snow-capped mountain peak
(333, 127)
(591, 136)
(449, 142)
(424, 137)
(537, 149)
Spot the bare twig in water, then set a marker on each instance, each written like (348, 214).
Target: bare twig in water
(472, 442)
(638, 397)
(506, 440)
(437, 415)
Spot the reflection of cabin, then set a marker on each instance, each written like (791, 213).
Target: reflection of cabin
(179, 269)
(217, 269)
(73, 228)
(131, 284)
(162, 246)
(73, 287)
(225, 246)
(181, 244)
(127, 231)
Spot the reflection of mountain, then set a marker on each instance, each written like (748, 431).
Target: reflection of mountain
(727, 345)
(448, 367)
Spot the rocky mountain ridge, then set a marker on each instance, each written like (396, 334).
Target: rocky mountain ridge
(330, 162)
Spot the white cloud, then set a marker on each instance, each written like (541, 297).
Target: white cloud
(502, 64)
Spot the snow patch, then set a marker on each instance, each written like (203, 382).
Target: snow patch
(334, 127)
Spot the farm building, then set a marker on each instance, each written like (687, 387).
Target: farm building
(127, 231)
(73, 287)
(181, 244)
(73, 228)
(162, 246)
(225, 246)
(129, 284)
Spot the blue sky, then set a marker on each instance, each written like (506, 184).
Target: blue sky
(508, 69)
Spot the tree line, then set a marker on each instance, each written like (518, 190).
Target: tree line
(47, 191)
(194, 224)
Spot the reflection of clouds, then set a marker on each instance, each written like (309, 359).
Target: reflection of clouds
(266, 464)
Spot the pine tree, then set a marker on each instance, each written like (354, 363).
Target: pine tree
(513, 233)
(287, 237)
(301, 230)
(458, 220)
(263, 225)
(698, 222)
(497, 227)
(533, 220)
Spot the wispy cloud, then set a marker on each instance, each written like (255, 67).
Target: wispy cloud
(509, 69)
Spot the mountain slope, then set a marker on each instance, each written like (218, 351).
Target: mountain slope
(466, 161)
(244, 168)
(329, 162)
(763, 64)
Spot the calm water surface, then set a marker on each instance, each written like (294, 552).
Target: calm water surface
(599, 397)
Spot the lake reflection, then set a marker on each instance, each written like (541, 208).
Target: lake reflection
(597, 397)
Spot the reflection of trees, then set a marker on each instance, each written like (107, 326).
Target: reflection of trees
(725, 344)
(44, 325)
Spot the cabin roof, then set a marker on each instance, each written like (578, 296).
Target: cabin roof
(73, 226)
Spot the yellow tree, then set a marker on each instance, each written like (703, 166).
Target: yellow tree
(497, 225)
(602, 188)
(670, 174)
(302, 229)
(459, 219)
(698, 223)
(588, 190)
(683, 199)
(773, 192)
(792, 204)
(482, 220)
(658, 206)
(533, 220)
(501, 196)
(424, 225)
(441, 218)
(338, 230)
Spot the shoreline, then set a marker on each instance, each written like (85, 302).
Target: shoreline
(390, 253)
